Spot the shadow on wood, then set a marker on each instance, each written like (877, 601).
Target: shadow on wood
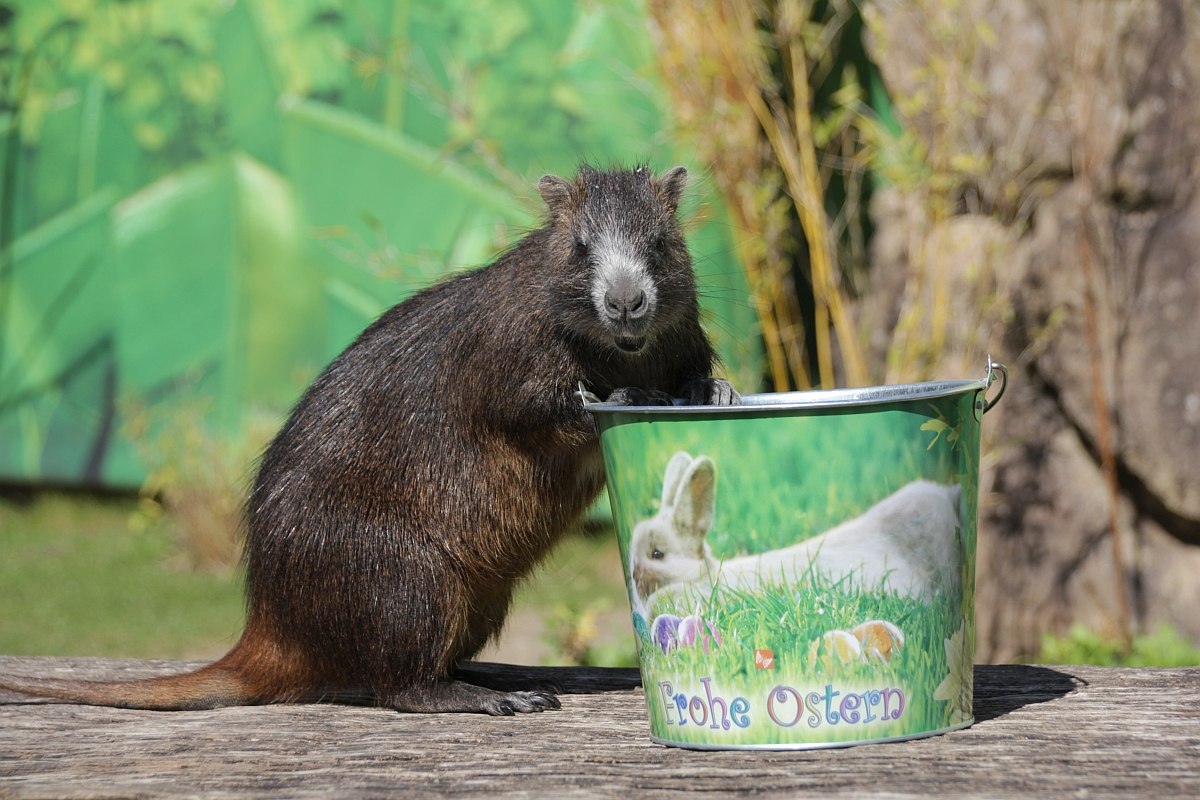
(562, 680)
(999, 689)
(1003, 689)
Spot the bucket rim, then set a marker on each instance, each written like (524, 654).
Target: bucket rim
(826, 398)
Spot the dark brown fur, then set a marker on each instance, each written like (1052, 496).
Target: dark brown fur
(436, 461)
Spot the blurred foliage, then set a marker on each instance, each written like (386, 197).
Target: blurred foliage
(471, 75)
(575, 636)
(548, 51)
(154, 61)
(771, 92)
(1162, 647)
(197, 479)
(783, 99)
(939, 163)
(186, 180)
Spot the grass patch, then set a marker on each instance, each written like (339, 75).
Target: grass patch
(1162, 647)
(82, 576)
(93, 577)
(580, 594)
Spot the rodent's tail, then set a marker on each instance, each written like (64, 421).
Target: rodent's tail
(211, 686)
(226, 682)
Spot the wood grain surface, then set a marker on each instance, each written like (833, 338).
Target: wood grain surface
(1053, 731)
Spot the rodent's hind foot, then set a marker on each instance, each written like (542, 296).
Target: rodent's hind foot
(509, 703)
(445, 697)
(710, 392)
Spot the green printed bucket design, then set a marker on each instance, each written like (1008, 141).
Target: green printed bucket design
(801, 568)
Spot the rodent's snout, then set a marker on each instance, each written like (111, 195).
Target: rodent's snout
(623, 293)
(626, 302)
(627, 312)
(624, 306)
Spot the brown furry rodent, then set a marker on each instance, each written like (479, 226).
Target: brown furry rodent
(437, 460)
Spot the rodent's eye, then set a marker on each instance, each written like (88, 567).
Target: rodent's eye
(657, 554)
(660, 245)
(581, 249)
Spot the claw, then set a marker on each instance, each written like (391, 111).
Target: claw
(523, 703)
(586, 396)
(711, 392)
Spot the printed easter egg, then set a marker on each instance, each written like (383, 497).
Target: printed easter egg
(640, 627)
(695, 631)
(833, 648)
(711, 637)
(879, 639)
(664, 632)
(689, 630)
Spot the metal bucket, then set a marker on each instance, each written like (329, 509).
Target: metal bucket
(801, 568)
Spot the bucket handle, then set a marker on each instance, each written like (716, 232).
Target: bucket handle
(997, 373)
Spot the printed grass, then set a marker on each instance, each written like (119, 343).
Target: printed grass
(787, 621)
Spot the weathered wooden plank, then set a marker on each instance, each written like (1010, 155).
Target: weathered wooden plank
(1051, 730)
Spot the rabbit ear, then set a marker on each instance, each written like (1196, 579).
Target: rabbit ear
(673, 475)
(697, 500)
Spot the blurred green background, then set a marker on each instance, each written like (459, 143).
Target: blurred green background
(203, 201)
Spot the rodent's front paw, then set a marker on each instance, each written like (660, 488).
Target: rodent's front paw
(636, 396)
(710, 392)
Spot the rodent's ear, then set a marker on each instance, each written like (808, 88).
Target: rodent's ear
(671, 186)
(555, 191)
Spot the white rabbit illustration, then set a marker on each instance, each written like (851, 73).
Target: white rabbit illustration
(906, 544)
(671, 546)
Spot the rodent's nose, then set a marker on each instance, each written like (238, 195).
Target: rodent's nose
(627, 302)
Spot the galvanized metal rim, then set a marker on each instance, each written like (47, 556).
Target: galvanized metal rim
(907, 737)
(831, 398)
(817, 398)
